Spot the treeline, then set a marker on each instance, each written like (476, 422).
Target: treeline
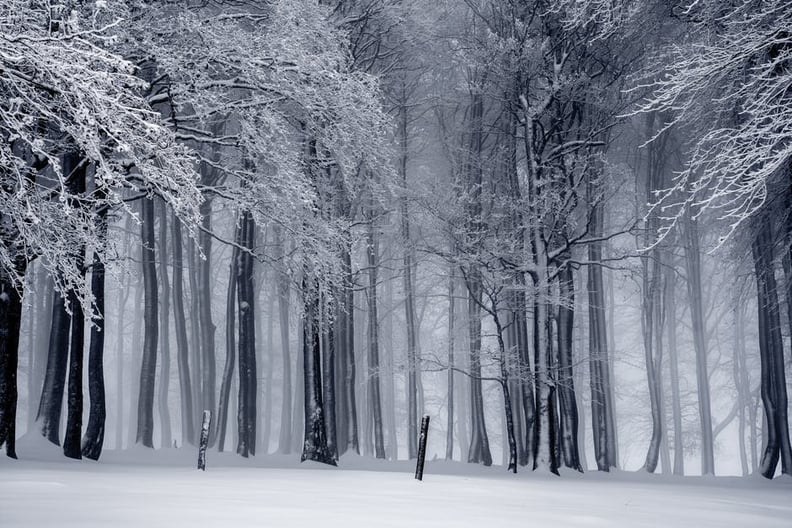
(362, 176)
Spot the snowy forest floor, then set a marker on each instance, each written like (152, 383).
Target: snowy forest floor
(145, 489)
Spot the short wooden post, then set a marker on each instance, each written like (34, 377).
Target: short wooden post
(207, 418)
(422, 448)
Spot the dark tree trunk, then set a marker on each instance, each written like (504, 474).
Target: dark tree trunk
(565, 382)
(182, 347)
(10, 322)
(315, 439)
(449, 454)
(479, 450)
(148, 367)
(49, 411)
(602, 411)
(246, 407)
(328, 382)
(93, 440)
(74, 401)
(204, 295)
(94, 434)
(345, 359)
(773, 379)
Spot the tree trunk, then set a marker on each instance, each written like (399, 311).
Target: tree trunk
(602, 411)
(10, 322)
(693, 268)
(315, 439)
(409, 295)
(183, 352)
(49, 411)
(204, 294)
(676, 406)
(246, 300)
(449, 454)
(93, 440)
(773, 379)
(74, 400)
(164, 323)
(372, 253)
(565, 382)
(284, 437)
(148, 368)
(219, 432)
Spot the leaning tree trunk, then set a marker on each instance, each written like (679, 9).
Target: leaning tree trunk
(148, 368)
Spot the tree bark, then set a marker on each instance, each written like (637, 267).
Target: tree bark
(93, 440)
(565, 382)
(49, 410)
(315, 439)
(10, 322)
(773, 379)
(230, 360)
(246, 407)
(148, 368)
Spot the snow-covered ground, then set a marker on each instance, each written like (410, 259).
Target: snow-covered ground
(146, 489)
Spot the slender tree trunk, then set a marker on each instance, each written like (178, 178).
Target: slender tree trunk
(182, 346)
(148, 368)
(409, 293)
(449, 454)
(164, 322)
(676, 406)
(246, 407)
(204, 294)
(693, 268)
(196, 360)
(284, 437)
(328, 379)
(230, 361)
(375, 401)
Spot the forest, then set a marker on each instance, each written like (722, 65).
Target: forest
(562, 229)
